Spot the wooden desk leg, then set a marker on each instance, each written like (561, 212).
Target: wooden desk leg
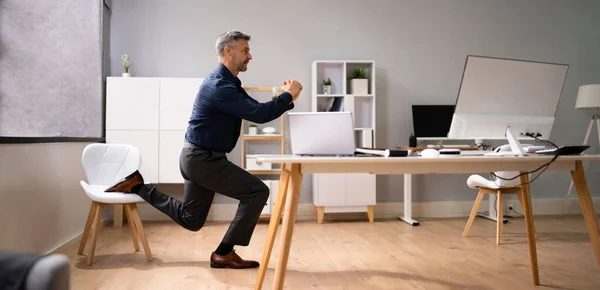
(528, 212)
(289, 217)
(587, 207)
(273, 225)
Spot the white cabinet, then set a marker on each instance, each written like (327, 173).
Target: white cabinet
(170, 144)
(177, 97)
(270, 204)
(146, 142)
(132, 104)
(151, 114)
(346, 192)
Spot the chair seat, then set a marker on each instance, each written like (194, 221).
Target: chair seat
(97, 194)
(478, 181)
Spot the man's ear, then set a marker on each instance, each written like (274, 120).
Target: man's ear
(228, 50)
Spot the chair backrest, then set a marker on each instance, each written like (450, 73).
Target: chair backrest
(105, 164)
(508, 174)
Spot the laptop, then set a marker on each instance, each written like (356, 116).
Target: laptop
(322, 133)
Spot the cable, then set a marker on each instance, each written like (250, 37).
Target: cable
(535, 170)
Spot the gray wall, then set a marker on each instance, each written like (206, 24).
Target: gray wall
(419, 48)
(42, 204)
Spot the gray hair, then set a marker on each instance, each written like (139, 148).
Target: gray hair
(228, 38)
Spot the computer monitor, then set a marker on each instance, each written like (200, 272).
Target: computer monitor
(506, 99)
(322, 133)
(432, 120)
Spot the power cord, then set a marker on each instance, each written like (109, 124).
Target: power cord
(545, 166)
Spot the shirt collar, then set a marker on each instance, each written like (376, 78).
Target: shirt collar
(226, 73)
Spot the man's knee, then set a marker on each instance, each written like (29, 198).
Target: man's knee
(194, 225)
(262, 192)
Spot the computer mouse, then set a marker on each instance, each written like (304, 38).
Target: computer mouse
(428, 153)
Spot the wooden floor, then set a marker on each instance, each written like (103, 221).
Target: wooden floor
(387, 254)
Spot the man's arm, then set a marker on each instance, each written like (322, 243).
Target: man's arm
(230, 100)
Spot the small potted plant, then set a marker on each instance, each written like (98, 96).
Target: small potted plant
(327, 86)
(359, 84)
(252, 129)
(126, 65)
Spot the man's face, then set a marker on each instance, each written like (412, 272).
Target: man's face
(240, 55)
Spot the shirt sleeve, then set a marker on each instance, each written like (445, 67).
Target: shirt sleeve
(230, 100)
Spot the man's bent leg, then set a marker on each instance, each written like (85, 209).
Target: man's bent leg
(218, 174)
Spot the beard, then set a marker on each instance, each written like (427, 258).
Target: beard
(242, 66)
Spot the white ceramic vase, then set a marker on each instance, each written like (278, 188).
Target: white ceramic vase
(125, 75)
(252, 130)
(359, 86)
(326, 89)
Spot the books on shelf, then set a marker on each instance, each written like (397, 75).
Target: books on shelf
(383, 152)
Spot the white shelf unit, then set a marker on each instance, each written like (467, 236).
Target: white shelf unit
(346, 192)
(248, 163)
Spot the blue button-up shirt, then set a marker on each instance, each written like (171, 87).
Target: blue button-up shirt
(220, 106)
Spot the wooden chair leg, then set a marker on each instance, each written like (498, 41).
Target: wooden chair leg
(88, 226)
(473, 212)
(499, 216)
(520, 197)
(138, 225)
(97, 223)
(132, 228)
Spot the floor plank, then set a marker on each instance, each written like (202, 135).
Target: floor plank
(387, 254)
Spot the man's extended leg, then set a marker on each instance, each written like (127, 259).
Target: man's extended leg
(190, 213)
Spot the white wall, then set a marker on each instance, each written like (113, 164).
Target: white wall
(41, 202)
(419, 47)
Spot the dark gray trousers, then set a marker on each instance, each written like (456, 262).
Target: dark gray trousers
(206, 172)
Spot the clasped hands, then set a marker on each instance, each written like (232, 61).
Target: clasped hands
(293, 87)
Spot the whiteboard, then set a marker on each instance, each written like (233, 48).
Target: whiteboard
(510, 87)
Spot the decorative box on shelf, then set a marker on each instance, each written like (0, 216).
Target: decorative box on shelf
(251, 163)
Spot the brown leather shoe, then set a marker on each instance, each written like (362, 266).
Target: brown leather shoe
(128, 183)
(232, 261)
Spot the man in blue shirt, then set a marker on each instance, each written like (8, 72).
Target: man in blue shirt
(213, 131)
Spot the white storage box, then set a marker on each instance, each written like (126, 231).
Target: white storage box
(252, 165)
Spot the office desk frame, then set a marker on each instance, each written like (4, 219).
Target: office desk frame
(293, 168)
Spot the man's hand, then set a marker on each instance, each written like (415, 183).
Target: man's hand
(293, 87)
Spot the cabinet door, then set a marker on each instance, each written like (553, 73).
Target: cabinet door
(267, 208)
(360, 189)
(146, 142)
(170, 145)
(330, 189)
(177, 97)
(132, 103)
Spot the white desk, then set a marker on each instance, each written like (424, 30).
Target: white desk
(293, 168)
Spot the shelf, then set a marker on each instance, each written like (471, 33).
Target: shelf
(272, 171)
(262, 89)
(333, 70)
(368, 67)
(363, 112)
(262, 137)
(330, 104)
(329, 95)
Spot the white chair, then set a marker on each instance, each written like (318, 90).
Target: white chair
(105, 165)
(500, 187)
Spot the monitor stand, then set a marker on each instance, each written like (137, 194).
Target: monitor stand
(516, 150)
